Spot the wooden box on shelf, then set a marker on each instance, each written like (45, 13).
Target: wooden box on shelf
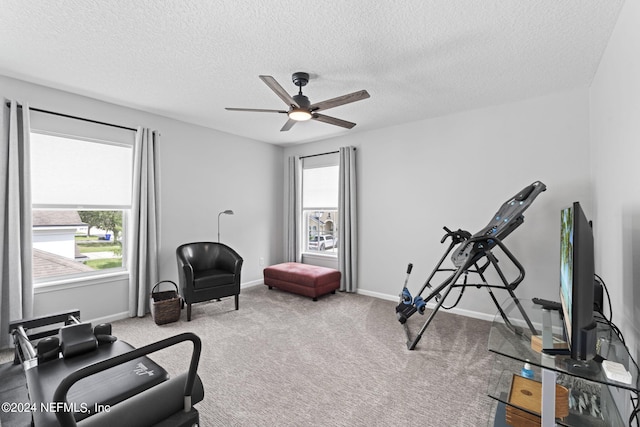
(526, 393)
(536, 343)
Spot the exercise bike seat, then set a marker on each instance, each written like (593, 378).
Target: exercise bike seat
(104, 388)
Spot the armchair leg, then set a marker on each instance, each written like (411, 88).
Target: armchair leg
(188, 312)
(237, 300)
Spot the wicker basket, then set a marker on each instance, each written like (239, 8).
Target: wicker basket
(165, 305)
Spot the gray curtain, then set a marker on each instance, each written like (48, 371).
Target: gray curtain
(294, 210)
(347, 221)
(16, 292)
(143, 234)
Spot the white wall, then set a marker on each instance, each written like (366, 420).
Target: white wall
(415, 178)
(202, 172)
(615, 135)
(457, 171)
(205, 172)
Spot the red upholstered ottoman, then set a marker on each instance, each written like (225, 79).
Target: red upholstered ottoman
(303, 279)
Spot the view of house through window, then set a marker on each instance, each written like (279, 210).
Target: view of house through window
(81, 196)
(320, 204)
(322, 235)
(70, 242)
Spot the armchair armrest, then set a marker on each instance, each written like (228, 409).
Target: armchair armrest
(187, 270)
(229, 260)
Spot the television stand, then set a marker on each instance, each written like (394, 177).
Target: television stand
(610, 399)
(583, 367)
(578, 367)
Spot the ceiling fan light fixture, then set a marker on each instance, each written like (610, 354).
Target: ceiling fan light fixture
(300, 109)
(299, 114)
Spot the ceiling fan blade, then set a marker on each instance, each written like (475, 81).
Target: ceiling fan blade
(288, 125)
(279, 90)
(333, 121)
(257, 110)
(340, 100)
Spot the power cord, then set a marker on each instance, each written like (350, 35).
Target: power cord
(604, 286)
(634, 400)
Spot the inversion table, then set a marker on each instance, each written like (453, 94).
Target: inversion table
(466, 258)
(79, 375)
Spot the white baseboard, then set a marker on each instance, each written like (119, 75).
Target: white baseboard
(377, 295)
(251, 284)
(125, 314)
(430, 305)
(108, 319)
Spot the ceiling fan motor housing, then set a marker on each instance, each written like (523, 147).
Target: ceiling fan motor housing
(302, 101)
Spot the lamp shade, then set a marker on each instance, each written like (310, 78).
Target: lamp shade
(225, 212)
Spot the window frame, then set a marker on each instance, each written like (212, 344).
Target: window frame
(306, 212)
(99, 275)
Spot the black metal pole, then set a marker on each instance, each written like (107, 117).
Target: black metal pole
(69, 116)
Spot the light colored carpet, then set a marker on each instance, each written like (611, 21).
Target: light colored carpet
(284, 360)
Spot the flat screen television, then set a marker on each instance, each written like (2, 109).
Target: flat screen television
(577, 284)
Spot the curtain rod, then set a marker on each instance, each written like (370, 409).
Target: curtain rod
(39, 110)
(323, 154)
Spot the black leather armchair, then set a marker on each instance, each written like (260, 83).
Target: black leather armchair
(206, 271)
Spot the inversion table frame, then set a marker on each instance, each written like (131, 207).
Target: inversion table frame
(466, 259)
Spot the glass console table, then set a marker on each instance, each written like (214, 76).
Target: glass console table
(594, 400)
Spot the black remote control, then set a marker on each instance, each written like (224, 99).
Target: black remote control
(546, 304)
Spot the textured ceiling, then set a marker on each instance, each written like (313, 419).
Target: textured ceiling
(417, 58)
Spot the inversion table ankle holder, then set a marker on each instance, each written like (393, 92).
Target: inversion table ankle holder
(471, 249)
(79, 375)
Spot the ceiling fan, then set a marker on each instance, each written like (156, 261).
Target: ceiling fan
(300, 108)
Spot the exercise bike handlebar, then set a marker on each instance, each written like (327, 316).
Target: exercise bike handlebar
(66, 419)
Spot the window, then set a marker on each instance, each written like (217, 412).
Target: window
(81, 197)
(320, 204)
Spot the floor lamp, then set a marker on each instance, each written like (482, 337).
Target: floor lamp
(227, 212)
